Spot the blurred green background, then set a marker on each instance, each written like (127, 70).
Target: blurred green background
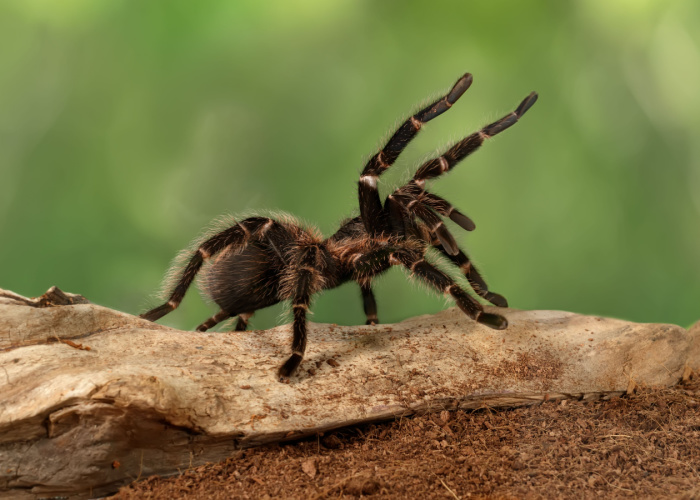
(127, 126)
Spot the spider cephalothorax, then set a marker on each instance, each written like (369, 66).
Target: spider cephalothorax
(260, 261)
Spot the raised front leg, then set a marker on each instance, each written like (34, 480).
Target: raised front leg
(370, 204)
(446, 162)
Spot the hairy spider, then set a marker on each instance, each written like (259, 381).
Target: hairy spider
(260, 261)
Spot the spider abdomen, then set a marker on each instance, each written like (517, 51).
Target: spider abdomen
(244, 281)
(262, 270)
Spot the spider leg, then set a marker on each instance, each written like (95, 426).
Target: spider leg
(421, 206)
(213, 321)
(440, 281)
(305, 280)
(402, 223)
(444, 208)
(365, 266)
(370, 204)
(242, 322)
(234, 236)
(433, 222)
(465, 147)
(473, 276)
(369, 303)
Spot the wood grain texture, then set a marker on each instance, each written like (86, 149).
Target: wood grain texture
(92, 398)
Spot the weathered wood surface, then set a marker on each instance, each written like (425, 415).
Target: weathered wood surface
(92, 398)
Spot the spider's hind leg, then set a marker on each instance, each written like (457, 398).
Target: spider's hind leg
(213, 321)
(241, 322)
(234, 236)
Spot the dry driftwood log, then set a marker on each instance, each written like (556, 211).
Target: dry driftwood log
(92, 398)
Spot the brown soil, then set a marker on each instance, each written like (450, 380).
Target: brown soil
(642, 445)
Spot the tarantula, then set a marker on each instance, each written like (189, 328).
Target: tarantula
(261, 261)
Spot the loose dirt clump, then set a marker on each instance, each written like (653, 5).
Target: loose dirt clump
(646, 444)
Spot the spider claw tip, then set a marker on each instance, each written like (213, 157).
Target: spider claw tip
(495, 321)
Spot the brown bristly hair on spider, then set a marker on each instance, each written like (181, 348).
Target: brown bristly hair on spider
(258, 261)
